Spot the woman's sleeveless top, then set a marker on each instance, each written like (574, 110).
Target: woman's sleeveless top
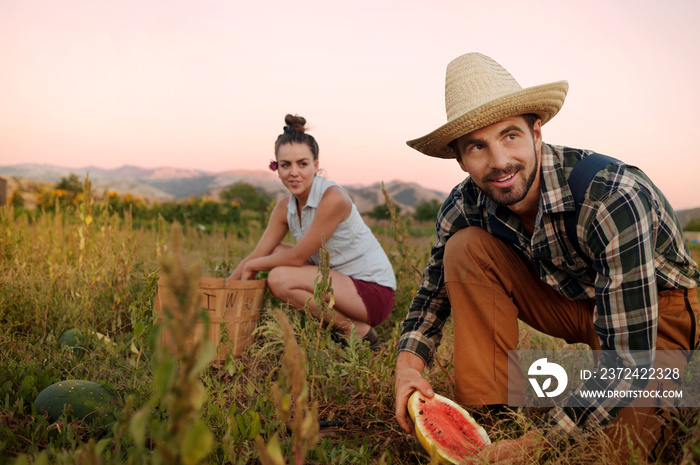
(353, 249)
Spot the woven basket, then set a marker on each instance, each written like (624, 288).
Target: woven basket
(235, 303)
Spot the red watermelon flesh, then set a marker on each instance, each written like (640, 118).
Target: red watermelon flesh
(443, 424)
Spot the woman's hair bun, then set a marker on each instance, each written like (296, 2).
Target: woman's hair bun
(294, 123)
(294, 132)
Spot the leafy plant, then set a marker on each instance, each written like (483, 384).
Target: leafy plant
(184, 438)
(427, 211)
(247, 196)
(291, 394)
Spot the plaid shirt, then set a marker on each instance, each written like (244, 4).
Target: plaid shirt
(625, 223)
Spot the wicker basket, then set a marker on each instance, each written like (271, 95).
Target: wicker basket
(236, 303)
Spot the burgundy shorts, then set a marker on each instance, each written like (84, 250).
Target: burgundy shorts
(378, 299)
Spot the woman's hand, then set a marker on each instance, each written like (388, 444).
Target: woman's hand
(236, 275)
(238, 272)
(248, 273)
(245, 270)
(271, 239)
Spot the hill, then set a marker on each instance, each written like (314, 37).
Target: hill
(167, 184)
(688, 215)
(28, 187)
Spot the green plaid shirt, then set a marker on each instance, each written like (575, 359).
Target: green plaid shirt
(626, 225)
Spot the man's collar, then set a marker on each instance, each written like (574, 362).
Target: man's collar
(554, 192)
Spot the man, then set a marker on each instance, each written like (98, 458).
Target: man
(628, 287)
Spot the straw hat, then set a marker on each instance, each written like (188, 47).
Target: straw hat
(480, 92)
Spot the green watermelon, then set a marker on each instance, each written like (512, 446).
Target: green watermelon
(80, 343)
(87, 400)
(74, 339)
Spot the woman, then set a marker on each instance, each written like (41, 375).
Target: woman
(363, 279)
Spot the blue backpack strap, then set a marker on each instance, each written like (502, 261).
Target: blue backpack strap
(580, 178)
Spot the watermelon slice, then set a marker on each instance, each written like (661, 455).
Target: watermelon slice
(443, 424)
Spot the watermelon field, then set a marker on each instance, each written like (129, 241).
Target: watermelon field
(77, 288)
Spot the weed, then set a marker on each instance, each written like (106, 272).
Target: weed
(291, 395)
(183, 438)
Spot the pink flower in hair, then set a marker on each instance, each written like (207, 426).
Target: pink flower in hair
(273, 165)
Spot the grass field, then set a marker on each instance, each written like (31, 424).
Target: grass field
(295, 396)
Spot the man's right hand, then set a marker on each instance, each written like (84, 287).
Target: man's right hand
(408, 378)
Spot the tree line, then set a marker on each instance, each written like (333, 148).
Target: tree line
(235, 204)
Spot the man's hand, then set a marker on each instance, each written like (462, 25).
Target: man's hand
(408, 378)
(510, 451)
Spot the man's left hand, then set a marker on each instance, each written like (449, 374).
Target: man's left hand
(511, 451)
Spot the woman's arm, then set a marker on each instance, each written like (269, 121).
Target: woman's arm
(334, 208)
(274, 234)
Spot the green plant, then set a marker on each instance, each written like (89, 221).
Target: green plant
(247, 196)
(382, 212)
(292, 398)
(427, 211)
(406, 260)
(183, 438)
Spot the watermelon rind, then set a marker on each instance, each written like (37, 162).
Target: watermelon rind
(429, 443)
(86, 400)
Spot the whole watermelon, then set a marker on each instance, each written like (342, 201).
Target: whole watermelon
(87, 400)
(75, 340)
(81, 343)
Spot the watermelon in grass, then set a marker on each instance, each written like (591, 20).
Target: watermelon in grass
(86, 400)
(443, 424)
(80, 343)
(75, 340)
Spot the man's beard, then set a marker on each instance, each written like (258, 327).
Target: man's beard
(511, 194)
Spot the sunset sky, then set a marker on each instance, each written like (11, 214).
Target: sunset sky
(205, 84)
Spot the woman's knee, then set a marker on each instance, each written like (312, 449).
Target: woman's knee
(286, 281)
(278, 281)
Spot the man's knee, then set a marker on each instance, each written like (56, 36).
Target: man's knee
(472, 245)
(466, 239)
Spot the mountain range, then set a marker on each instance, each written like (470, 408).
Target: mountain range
(171, 184)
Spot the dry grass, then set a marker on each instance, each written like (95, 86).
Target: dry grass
(53, 281)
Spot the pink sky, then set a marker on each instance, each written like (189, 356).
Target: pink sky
(205, 84)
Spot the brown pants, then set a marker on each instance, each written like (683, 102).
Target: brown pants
(490, 288)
